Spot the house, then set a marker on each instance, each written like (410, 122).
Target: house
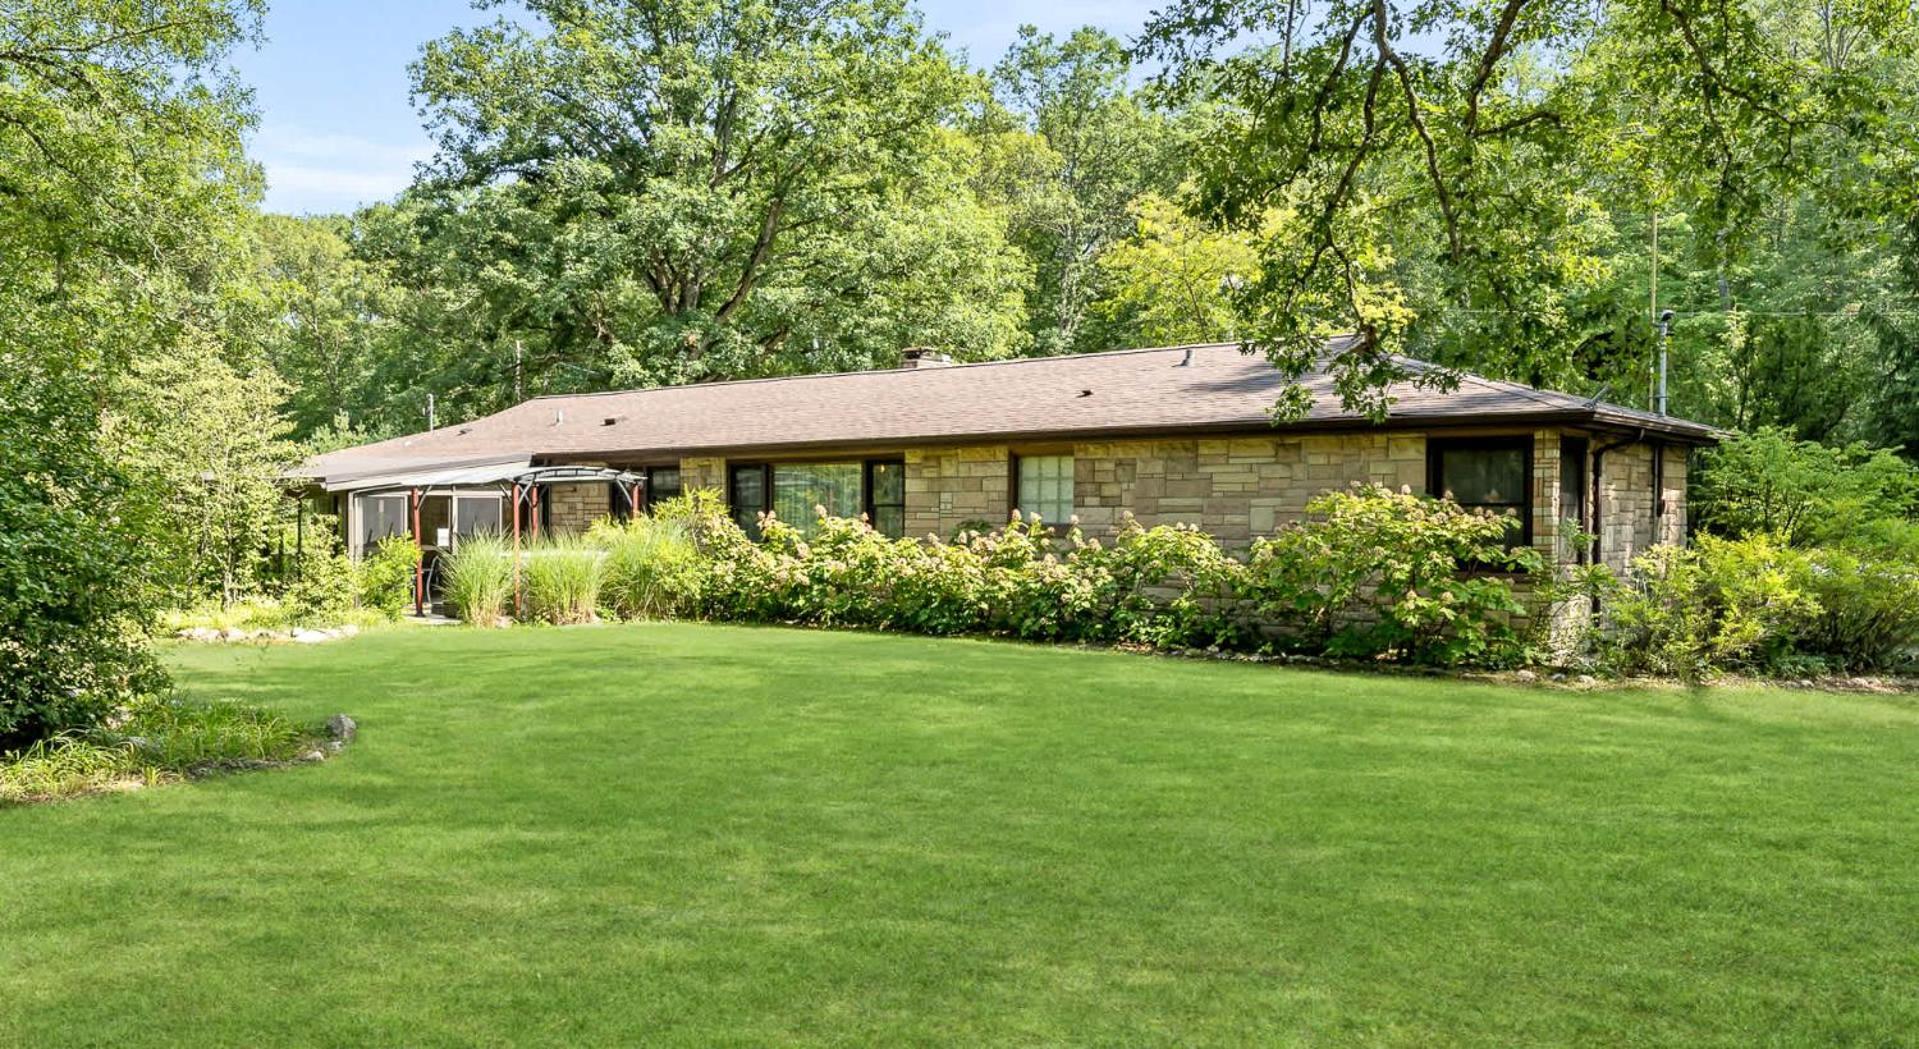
(1178, 434)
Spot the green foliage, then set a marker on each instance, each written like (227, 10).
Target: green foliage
(1768, 483)
(562, 576)
(1174, 277)
(477, 579)
(1375, 573)
(152, 741)
(385, 578)
(1721, 604)
(1479, 186)
(1868, 618)
(652, 569)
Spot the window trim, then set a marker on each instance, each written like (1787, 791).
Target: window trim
(1012, 485)
(646, 487)
(1436, 447)
(733, 471)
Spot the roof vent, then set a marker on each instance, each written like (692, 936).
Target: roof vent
(917, 357)
(559, 416)
(609, 420)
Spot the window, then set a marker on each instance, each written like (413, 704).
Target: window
(746, 494)
(1045, 487)
(799, 489)
(1486, 473)
(886, 496)
(662, 483)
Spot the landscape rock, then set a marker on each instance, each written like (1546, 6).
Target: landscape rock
(310, 637)
(342, 728)
(200, 633)
(1585, 681)
(316, 754)
(347, 629)
(1526, 676)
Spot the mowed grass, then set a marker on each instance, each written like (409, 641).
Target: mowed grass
(693, 835)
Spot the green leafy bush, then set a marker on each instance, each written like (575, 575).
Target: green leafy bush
(651, 570)
(1769, 483)
(385, 577)
(1868, 617)
(1720, 604)
(1374, 573)
(561, 576)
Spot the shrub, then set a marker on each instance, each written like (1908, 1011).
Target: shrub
(1768, 483)
(651, 569)
(1868, 612)
(477, 579)
(385, 577)
(1382, 574)
(1719, 604)
(561, 575)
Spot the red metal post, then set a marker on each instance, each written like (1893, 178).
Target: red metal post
(419, 566)
(516, 549)
(533, 519)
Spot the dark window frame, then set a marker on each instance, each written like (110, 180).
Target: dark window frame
(1436, 447)
(733, 472)
(867, 503)
(646, 490)
(766, 468)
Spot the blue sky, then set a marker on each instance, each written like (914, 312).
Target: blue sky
(337, 129)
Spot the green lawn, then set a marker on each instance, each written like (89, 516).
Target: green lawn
(694, 835)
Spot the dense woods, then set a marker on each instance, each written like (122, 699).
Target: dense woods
(634, 192)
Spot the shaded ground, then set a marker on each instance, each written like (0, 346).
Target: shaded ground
(696, 835)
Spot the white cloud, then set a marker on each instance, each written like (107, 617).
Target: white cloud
(313, 172)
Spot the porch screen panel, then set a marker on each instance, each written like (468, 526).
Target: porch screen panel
(800, 487)
(477, 516)
(382, 516)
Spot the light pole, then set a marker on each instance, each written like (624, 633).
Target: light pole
(1665, 337)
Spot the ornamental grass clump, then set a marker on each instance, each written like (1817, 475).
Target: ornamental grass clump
(477, 579)
(153, 740)
(651, 570)
(562, 576)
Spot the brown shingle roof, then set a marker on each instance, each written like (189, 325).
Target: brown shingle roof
(1105, 394)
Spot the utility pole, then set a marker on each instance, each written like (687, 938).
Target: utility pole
(429, 413)
(519, 354)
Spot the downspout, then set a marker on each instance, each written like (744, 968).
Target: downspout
(419, 565)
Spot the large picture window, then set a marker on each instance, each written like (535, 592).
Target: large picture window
(800, 488)
(1485, 473)
(1045, 487)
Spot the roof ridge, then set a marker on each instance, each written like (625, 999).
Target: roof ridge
(887, 371)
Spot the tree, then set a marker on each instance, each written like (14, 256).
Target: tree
(1094, 147)
(673, 191)
(120, 159)
(1451, 177)
(1173, 281)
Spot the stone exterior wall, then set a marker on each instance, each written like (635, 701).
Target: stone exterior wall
(703, 473)
(1631, 517)
(1234, 489)
(573, 507)
(1238, 488)
(947, 488)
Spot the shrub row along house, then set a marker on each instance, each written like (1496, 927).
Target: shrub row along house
(1177, 434)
